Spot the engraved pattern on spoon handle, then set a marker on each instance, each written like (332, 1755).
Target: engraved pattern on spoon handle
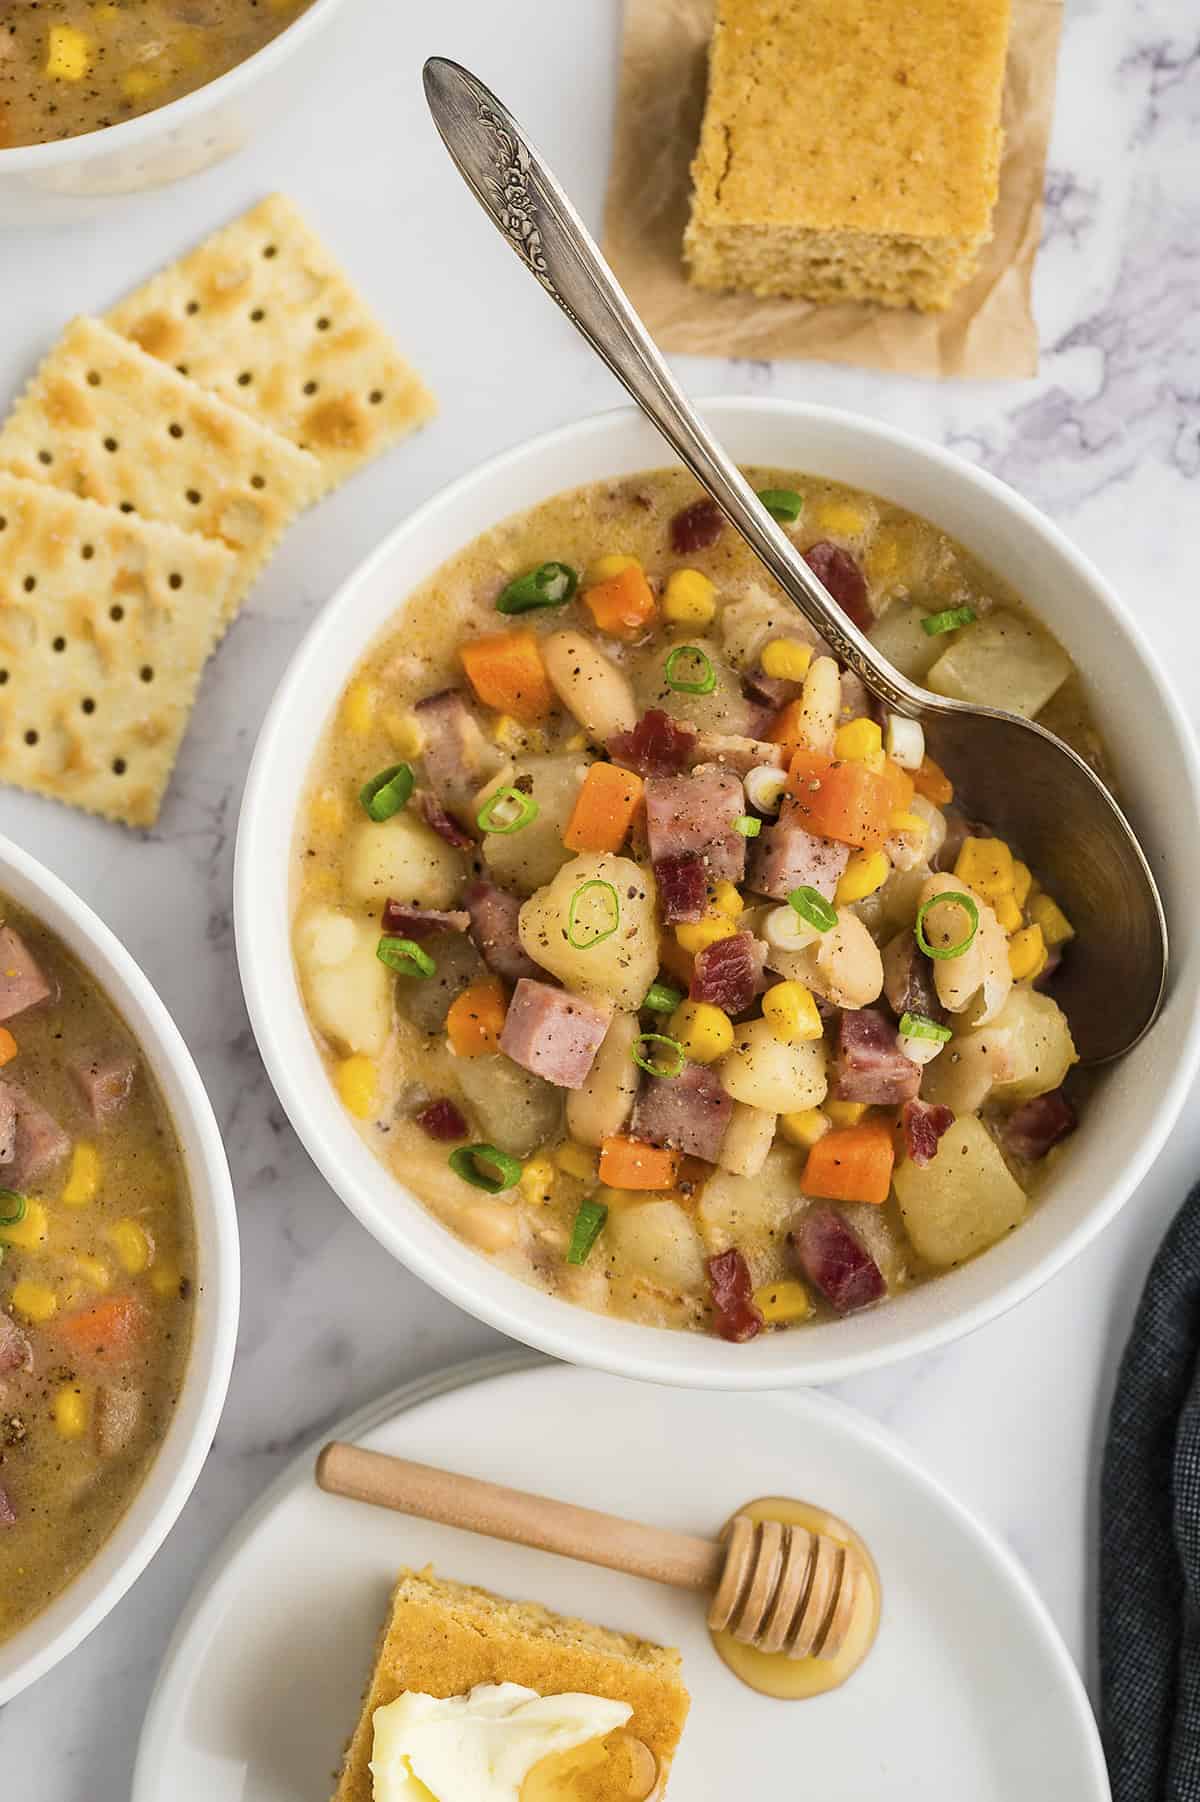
(533, 213)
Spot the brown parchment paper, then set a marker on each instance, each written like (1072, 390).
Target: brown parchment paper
(988, 332)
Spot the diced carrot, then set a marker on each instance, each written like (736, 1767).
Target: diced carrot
(8, 1046)
(843, 801)
(932, 781)
(631, 1164)
(506, 671)
(604, 809)
(786, 727)
(109, 1330)
(851, 1163)
(476, 1018)
(624, 605)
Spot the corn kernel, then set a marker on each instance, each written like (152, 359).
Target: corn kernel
(911, 824)
(537, 1180)
(132, 1244)
(576, 1160)
(696, 935)
(839, 517)
(985, 865)
(805, 1127)
(93, 1271)
(690, 599)
(782, 1304)
(511, 735)
(35, 1302)
(1056, 928)
(1026, 953)
(845, 1113)
(727, 900)
(31, 1232)
(786, 659)
(883, 558)
(405, 733)
(71, 1411)
(68, 53)
(1008, 913)
(866, 872)
(858, 741)
(83, 1178)
(605, 568)
(358, 707)
(139, 82)
(578, 741)
(107, 12)
(355, 1078)
(166, 1278)
(1022, 882)
(791, 1013)
(704, 1031)
(327, 813)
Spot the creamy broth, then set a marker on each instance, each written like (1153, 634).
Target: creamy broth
(909, 571)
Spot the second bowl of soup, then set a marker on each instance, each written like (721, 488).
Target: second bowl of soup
(627, 971)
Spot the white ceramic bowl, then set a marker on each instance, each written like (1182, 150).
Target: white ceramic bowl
(1146, 732)
(54, 184)
(172, 1476)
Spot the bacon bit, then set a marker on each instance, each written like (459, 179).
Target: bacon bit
(735, 1316)
(697, 527)
(924, 1122)
(682, 887)
(442, 1120)
(726, 974)
(836, 1262)
(843, 578)
(657, 746)
(1036, 1125)
(435, 815)
(401, 922)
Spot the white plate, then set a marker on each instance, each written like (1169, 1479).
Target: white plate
(968, 1694)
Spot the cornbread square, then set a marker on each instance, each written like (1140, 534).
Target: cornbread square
(850, 149)
(442, 1638)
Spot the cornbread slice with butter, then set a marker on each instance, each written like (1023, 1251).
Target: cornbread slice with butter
(850, 149)
(444, 1638)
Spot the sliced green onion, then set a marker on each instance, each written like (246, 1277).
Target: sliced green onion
(678, 1056)
(405, 957)
(920, 1026)
(574, 938)
(472, 1163)
(12, 1207)
(783, 504)
(589, 1224)
(955, 899)
(386, 793)
(813, 908)
(490, 817)
(949, 620)
(549, 585)
(708, 675)
(747, 825)
(661, 998)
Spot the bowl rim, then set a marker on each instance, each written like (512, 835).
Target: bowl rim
(34, 159)
(217, 1302)
(576, 1334)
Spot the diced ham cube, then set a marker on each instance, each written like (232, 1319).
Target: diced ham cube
(835, 1261)
(40, 1142)
(924, 1122)
(770, 692)
(105, 1081)
(118, 1416)
(8, 1514)
(682, 887)
(554, 1034)
(494, 928)
(687, 1113)
(843, 578)
(870, 1065)
(22, 982)
(403, 922)
(16, 1352)
(657, 746)
(8, 1124)
(457, 757)
(735, 1316)
(727, 974)
(689, 814)
(439, 821)
(785, 856)
(908, 978)
(1036, 1125)
(697, 527)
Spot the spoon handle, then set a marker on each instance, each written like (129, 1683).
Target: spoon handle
(527, 205)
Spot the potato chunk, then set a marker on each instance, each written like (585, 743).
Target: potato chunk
(658, 1240)
(526, 859)
(963, 1201)
(348, 990)
(603, 1105)
(616, 970)
(1002, 661)
(515, 1110)
(781, 1079)
(402, 858)
(1042, 1047)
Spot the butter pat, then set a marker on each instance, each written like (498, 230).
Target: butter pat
(479, 1747)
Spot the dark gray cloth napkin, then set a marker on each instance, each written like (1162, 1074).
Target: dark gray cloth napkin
(1150, 1537)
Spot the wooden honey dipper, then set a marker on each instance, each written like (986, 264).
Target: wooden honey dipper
(778, 1588)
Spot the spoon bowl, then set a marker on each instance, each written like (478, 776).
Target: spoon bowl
(1008, 771)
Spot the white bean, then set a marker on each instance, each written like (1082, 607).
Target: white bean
(492, 1225)
(601, 1107)
(589, 685)
(748, 1139)
(848, 965)
(820, 705)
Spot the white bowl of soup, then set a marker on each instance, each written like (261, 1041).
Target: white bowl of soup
(569, 1123)
(98, 101)
(119, 1274)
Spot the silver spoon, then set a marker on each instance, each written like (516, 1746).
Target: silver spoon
(1025, 783)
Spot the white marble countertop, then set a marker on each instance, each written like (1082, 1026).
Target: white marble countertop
(1105, 439)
